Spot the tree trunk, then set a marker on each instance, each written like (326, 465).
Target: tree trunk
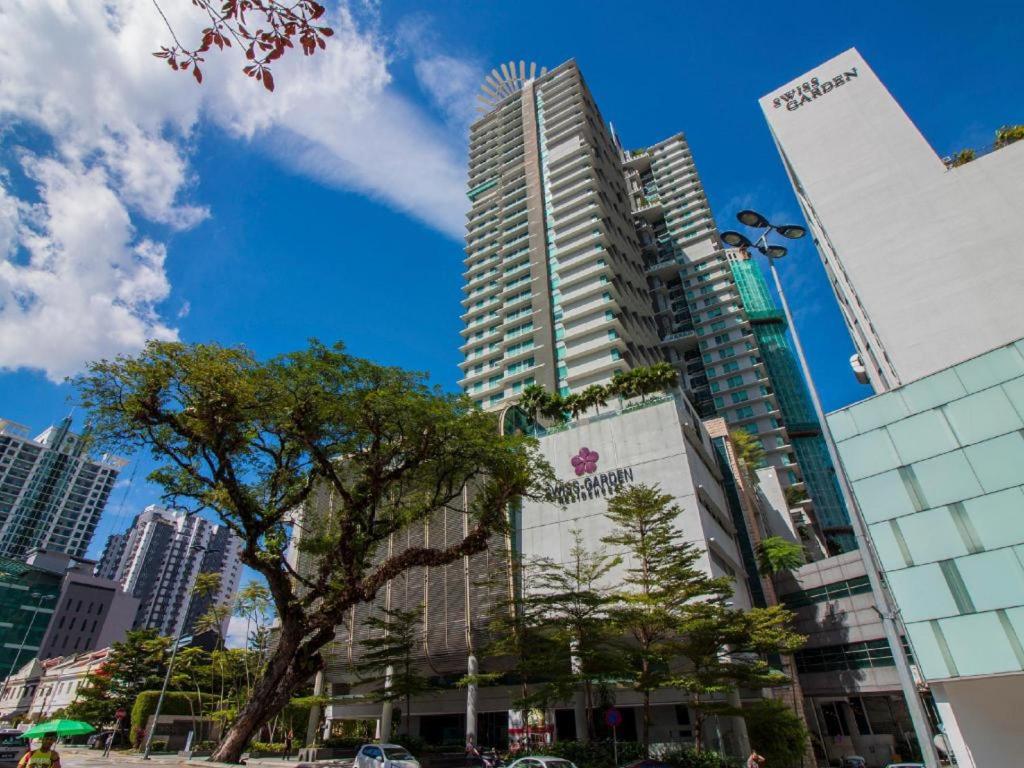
(647, 724)
(698, 728)
(291, 665)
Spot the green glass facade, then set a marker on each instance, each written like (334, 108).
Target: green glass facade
(937, 467)
(769, 326)
(21, 612)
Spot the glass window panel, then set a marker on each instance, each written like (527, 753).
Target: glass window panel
(990, 369)
(979, 644)
(993, 579)
(922, 436)
(932, 536)
(982, 415)
(999, 462)
(997, 518)
(868, 454)
(946, 478)
(922, 593)
(882, 497)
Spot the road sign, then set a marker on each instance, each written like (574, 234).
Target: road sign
(121, 713)
(613, 718)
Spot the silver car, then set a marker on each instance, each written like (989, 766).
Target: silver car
(541, 761)
(385, 756)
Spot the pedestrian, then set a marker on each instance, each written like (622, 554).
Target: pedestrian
(288, 744)
(44, 757)
(755, 760)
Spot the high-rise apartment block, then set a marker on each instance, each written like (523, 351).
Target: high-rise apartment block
(159, 559)
(51, 491)
(585, 260)
(555, 287)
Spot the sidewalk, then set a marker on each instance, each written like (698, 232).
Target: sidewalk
(91, 757)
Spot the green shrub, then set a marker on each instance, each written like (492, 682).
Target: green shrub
(688, 757)
(204, 746)
(267, 747)
(158, 746)
(776, 732)
(175, 703)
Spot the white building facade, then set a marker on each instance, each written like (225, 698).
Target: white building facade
(924, 258)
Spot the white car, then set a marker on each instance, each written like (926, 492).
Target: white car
(385, 756)
(541, 761)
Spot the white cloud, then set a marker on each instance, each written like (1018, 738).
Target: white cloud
(84, 286)
(453, 85)
(77, 280)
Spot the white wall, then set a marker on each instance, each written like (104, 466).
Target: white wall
(652, 444)
(932, 253)
(982, 719)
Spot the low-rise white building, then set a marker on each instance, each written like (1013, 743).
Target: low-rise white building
(42, 688)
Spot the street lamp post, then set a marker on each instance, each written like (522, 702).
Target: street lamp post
(40, 598)
(886, 609)
(170, 666)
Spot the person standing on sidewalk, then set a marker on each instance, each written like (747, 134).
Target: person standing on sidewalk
(288, 744)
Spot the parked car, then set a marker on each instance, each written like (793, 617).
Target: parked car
(853, 761)
(905, 765)
(12, 746)
(541, 761)
(385, 756)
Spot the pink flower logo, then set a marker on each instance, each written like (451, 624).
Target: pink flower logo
(585, 462)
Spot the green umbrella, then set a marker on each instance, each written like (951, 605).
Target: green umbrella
(60, 727)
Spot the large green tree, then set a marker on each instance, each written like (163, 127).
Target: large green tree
(574, 599)
(251, 440)
(388, 659)
(723, 648)
(662, 579)
(133, 665)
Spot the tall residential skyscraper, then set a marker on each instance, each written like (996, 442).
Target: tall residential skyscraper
(555, 286)
(584, 260)
(159, 559)
(51, 491)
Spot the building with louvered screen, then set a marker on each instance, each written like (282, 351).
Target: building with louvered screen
(658, 442)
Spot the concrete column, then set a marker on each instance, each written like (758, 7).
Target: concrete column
(580, 697)
(851, 721)
(386, 709)
(472, 669)
(950, 726)
(739, 725)
(314, 711)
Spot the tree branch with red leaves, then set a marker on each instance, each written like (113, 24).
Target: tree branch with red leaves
(262, 29)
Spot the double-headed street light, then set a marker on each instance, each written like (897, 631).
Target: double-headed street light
(884, 605)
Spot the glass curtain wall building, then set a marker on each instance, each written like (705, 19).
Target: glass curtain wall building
(51, 491)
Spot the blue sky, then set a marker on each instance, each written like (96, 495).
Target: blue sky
(332, 208)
